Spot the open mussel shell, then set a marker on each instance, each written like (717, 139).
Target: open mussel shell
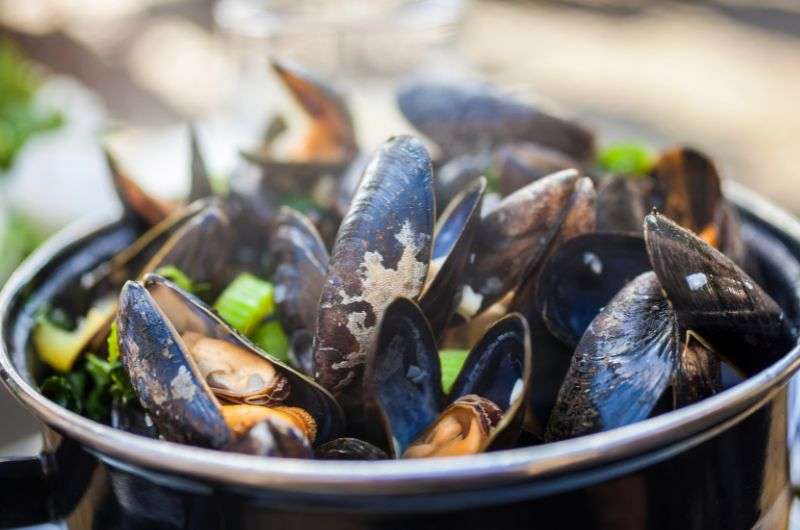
(689, 187)
(622, 365)
(200, 184)
(452, 245)
(381, 252)
(301, 264)
(349, 449)
(332, 135)
(580, 278)
(188, 315)
(500, 368)
(402, 379)
(463, 116)
(712, 296)
(164, 376)
(513, 238)
(139, 206)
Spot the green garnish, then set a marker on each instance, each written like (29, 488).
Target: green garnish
(19, 116)
(626, 158)
(66, 390)
(246, 302)
(451, 361)
(113, 343)
(176, 276)
(271, 338)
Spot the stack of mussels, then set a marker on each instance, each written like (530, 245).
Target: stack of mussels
(586, 300)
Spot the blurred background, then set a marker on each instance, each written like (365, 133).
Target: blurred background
(721, 75)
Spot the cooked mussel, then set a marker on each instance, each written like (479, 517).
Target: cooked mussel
(408, 412)
(349, 449)
(188, 368)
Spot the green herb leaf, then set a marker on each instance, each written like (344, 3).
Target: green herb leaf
(626, 158)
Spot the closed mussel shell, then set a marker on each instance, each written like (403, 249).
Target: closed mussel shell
(381, 252)
(301, 263)
(622, 365)
(712, 296)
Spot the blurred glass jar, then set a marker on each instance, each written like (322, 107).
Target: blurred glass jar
(363, 46)
(352, 38)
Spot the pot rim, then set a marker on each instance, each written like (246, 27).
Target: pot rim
(395, 477)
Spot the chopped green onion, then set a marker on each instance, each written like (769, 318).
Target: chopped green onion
(271, 338)
(451, 361)
(113, 343)
(176, 276)
(626, 158)
(246, 302)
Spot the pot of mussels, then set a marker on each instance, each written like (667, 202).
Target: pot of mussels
(490, 323)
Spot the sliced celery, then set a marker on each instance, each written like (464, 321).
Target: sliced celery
(246, 302)
(176, 276)
(271, 338)
(451, 361)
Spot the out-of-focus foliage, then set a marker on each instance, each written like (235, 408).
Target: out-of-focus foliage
(19, 116)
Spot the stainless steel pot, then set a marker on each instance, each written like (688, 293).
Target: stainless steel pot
(720, 463)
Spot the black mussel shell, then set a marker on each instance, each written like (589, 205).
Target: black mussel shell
(580, 278)
(165, 378)
(200, 186)
(349, 449)
(349, 181)
(452, 245)
(458, 173)
(500, 368)
(186, 312)
(517, 165)
(622, 365)
(463, 116)
(402, 378)
(381, 252)
(622, 204)
(712, 296)
(301, 264)
(513, 238)
(139, 206)
(698, 373)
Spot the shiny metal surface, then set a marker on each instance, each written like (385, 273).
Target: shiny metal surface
(513, 475)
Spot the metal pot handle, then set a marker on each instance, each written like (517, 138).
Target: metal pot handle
(25, 491)
(45, 487)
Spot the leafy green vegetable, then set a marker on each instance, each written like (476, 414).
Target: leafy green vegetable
(626, 158)
(176, 276)
(451, 362)
(246, 302)
(66, 390)
(271, 338)
(19, 117)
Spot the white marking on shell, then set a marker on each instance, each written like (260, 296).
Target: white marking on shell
(470, 302)
(696, 281)
(182, 386)
(591, 260)
(380, 284)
